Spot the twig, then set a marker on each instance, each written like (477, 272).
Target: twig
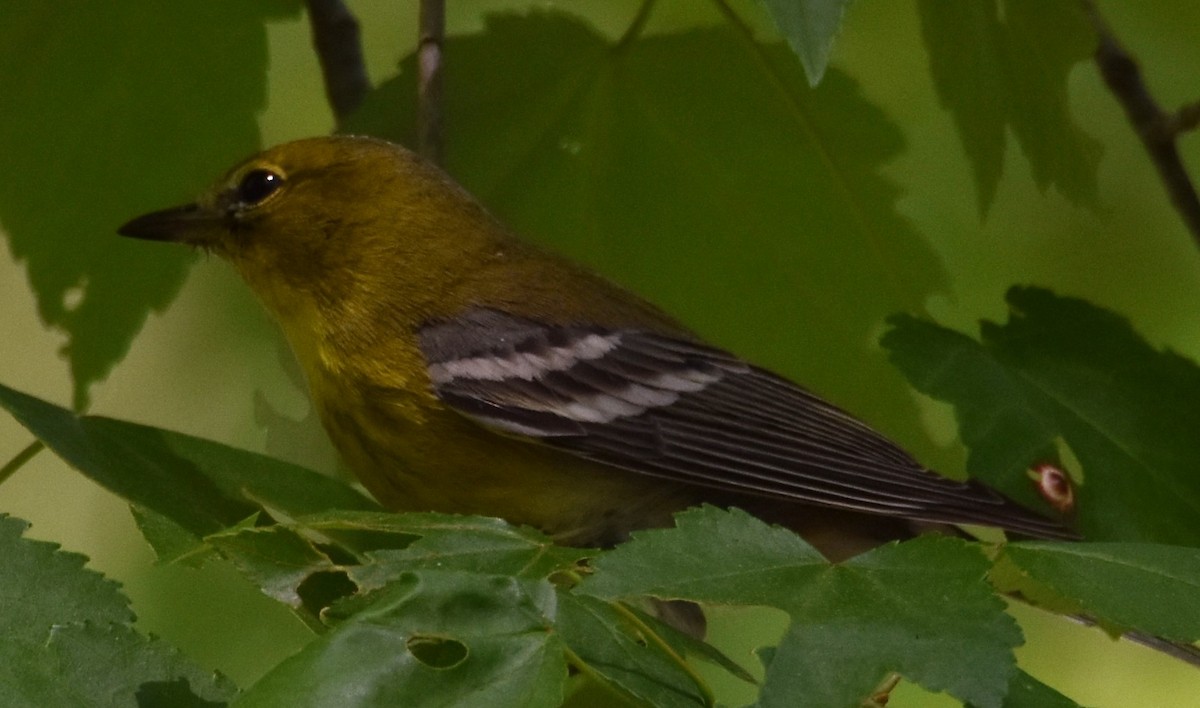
(18, 460)
(430, 139)
(1157, 128)
(339, 49)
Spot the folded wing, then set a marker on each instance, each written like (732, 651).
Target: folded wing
(683, 411)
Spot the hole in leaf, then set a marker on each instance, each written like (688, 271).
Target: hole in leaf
(323, 588)
(437, 652)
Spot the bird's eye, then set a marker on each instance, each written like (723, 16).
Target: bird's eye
(257, 185)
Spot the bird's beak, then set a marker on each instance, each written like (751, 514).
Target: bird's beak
(190, 224)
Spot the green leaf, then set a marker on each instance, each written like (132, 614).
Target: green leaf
(171, 542)
(432, 638)
(413, 540)
(613, 647)
(67, 639)
(686, 645)
(116, 662)
(123, 137)
(277, 560)
(922, 608)
(1000, 66)
(44, 586)
(1027, 692)
(320, 558)
(753, 564)
(200, 485)
(450, 542)
(629, 157)
(810, 27)
(1147, 587)
(1065, 370)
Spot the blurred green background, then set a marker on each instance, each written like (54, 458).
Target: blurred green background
(211, 363)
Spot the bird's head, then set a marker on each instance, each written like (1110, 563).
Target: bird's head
(327, 219)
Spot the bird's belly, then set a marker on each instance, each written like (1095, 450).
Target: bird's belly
(433, 459)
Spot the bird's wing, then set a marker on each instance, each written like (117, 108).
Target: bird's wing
(677, 409)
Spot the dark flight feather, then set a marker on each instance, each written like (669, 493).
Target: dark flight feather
(683, 411)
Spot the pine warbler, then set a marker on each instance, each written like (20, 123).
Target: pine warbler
(459, 369)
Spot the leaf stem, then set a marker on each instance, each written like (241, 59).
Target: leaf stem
(19, 459)
(879, 697)
(652, 636)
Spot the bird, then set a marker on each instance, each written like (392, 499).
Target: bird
(458, 368)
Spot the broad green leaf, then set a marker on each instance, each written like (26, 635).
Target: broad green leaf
(686, 645)
(67, 639)
(127, 127)
(1011, 579)
(322, 557)
(431, 638)
(752, 565)
(810, 27)
(695, 158)
(171, 542)
(111, 665)
(389, 544)
(44, 586)
(200, 485)
(1027, 692)
(1063, 370)
(371, 549)
(114, 665)
(1001, 65)
(1147, 587)
(277, 560)
(474, 544)
(922, 608)
(613, 647)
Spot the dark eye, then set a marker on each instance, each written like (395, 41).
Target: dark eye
(257, 185)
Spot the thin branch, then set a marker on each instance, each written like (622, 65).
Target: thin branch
(430, 138)
(1157, 128)
(18, 460)
(336, 38)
